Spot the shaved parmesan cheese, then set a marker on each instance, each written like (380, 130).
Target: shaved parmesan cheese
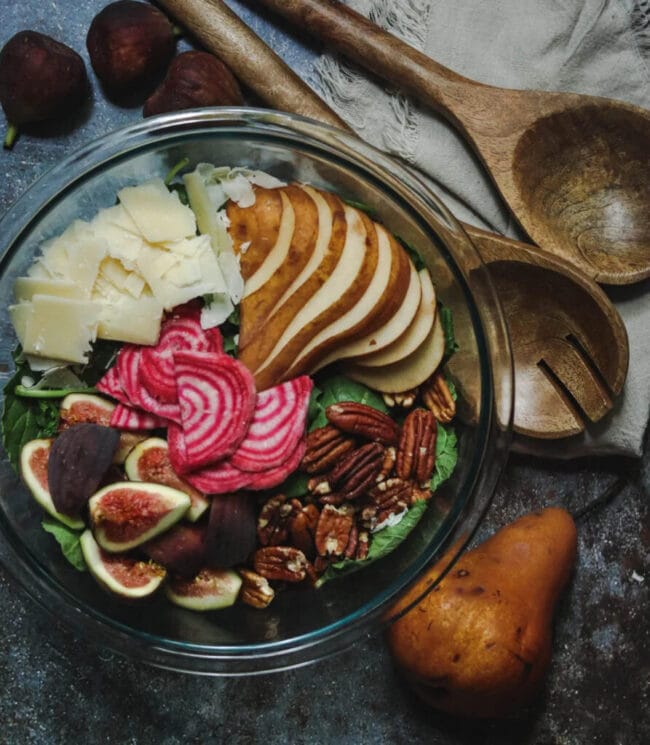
(26, 287)
(127, 319)
(158, 212)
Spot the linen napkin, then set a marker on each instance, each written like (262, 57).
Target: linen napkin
(599, 47)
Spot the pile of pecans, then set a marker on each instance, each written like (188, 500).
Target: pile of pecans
(366, 472)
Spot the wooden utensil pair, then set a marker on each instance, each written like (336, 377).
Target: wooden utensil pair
(569, 342)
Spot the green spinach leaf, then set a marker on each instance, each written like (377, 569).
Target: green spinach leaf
(413, 254)
(68, 539)
(447, 321)
(381, 544)
(446, 455)
(339, 388)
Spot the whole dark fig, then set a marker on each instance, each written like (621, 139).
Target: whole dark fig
(129, 43)
(194, 79)
(232, 530)
(79, 459)
(40, 78)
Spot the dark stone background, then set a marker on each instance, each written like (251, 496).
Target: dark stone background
(56, 688)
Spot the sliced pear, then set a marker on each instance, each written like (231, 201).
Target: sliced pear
(326, 254)
(408, 372)
(285, 261)
(399, 307)
(340, 292)
(255, 232)
(380, 301)
(416, 332)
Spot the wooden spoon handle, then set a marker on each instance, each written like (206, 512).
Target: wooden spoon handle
(378, 51)
(251, 60)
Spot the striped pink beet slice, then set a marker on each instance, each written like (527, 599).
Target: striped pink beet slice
(277, 426)
(216, 395)
(177, 334)
(129, 370)
(111, 386)
(128, 417)
(219, 478)
(275, 476)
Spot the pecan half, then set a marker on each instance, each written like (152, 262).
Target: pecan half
(272, 523)
(388, 498)
(281, 562)
(333, 530)
(324, 448)
(357, 472)
(302, 527)
(255, 589)
(438, 399)
(363, 421)
(416, 454)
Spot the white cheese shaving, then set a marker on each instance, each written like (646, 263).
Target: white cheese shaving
(389, 522)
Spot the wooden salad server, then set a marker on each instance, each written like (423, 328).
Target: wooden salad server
(569, 342)
(574, 169)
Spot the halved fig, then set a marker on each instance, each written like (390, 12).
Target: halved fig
(121, 575)
(126, 514)
(149, 461)
(33, 467)
(210, 589)
(79, 459)
(77, 408)
(232, 530)
(181, 549)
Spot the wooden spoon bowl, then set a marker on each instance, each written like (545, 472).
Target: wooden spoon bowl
(574, 169)
(569, 342)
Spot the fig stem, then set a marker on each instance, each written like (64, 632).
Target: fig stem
(174, 170)
(21, 390)
(10, 136)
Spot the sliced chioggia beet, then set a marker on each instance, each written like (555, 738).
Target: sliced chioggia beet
(232, 530)
(110, 385)
(183, 333)
(150, 461)
(277, 426)
(128, 513)
(210, 589)
(219, 478)
(129, 417)
(216, 394)
(275, 476)
(33, 467)
(129, 369)
(121, 575)
(79, 459)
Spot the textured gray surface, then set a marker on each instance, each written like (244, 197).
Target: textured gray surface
(56, 688)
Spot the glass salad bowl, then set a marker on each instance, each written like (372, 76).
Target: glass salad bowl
(301, 625)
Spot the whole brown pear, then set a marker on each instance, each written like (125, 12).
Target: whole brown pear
(478, 645)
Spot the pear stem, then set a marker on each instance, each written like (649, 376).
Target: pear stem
(603, 499)
(10, 136)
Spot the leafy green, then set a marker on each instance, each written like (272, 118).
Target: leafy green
(446, 455)
(381, 544)
(181, 191)
(294, 486)
(43, 393)
(368, 209)
(175, 170)
(339, 388)
(68, 539)
(25, 419)
(230, 333)
(414, 255)
(447, 321)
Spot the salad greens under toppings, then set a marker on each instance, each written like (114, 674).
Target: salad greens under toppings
(32, 397)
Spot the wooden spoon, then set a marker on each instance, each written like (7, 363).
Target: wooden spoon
(574, 169)
(570, 344)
